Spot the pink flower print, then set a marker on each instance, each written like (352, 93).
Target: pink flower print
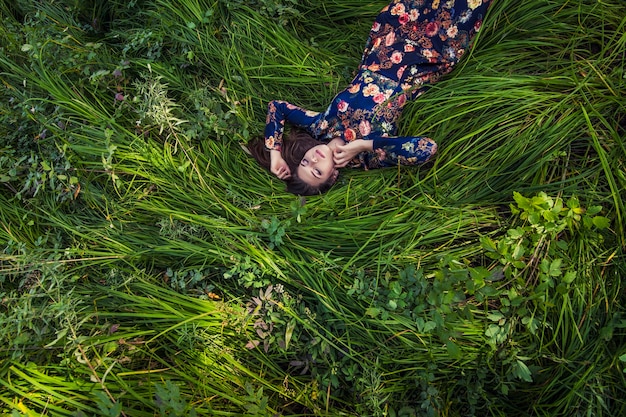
(371, 90)
(379, 98)
(376, 27)
(431, 29)
(452, 31)
(342, 106)
(427, 144)
(433, 147)
(396, 57)
(409, 48)
(401, 100)
(365, 128)
(404, 19)
(414, 15)
(349, 135)
(400, 72)
(398, 10)
(477, 25)
(381, 154)
(430, 54)
(390, 39)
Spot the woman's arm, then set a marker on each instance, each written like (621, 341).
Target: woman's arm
(280, 111)
(379, 152)
(401, 150)
(278, 166)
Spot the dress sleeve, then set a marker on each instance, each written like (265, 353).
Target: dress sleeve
(389, 151)
(280, 111)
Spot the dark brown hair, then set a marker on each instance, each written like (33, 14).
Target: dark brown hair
(295, 145)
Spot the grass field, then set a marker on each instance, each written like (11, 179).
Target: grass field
(149, 267)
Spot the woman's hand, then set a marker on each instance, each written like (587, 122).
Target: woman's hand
(278, 166)
(343, 154)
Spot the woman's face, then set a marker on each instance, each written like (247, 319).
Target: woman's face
(317, 165)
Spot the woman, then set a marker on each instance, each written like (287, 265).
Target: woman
(411, 44)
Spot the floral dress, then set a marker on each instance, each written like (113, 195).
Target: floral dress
(411, 44)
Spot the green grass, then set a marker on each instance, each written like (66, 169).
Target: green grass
(149, 267)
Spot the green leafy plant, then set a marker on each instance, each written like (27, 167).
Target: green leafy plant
(284, 10)
(170, 404)
(154, 107)
(107, 406)
(248, 273)
(276, 230)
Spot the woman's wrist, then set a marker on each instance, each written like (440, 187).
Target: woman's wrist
(275, 154)
(363, 145)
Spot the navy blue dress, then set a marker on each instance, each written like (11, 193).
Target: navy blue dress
(411, 44)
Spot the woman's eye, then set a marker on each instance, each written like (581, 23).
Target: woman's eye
(304, 162)
(318, 172)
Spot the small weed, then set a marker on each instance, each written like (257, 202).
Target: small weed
(215, 115)
(276, 230)
(108, 407)
(248, 273)
(154, 108)
(255, 402)
(284, 10)
(168, 399)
